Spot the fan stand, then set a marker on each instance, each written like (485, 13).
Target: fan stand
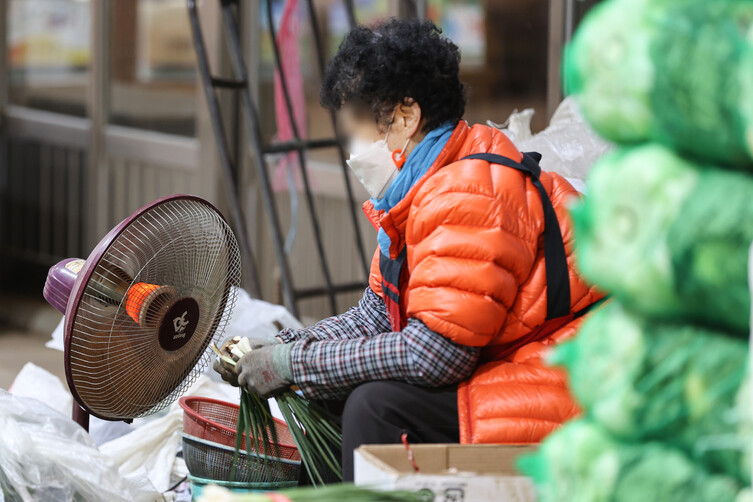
(80, 416)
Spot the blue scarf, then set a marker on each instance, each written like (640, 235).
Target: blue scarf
(418, 162)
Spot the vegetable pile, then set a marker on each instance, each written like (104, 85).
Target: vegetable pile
(675, 71)
(582, 462)
(646, 381)
(314, 431)
(666, 229)
(681, 229)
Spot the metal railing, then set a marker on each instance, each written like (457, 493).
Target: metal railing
(261, 151)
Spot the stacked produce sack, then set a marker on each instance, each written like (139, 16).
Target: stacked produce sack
(661, 369)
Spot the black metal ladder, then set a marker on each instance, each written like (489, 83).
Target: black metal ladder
(260, 151)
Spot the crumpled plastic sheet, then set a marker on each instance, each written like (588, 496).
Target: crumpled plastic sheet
(568, 146)
(46, 456)
(38, 383)
(144, 452)
(148, 453)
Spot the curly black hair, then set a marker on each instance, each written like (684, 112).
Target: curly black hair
(398, 61)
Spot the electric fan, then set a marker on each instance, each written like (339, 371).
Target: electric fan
(142, 309)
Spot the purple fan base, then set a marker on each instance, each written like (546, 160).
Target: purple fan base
(64, 289)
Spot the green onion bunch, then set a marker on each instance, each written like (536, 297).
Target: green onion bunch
(347, 492)
(256, 422)
(314, 431)
(315, 434)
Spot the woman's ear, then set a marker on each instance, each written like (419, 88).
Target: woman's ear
(408, 118)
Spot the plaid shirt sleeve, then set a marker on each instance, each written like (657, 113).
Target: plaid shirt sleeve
(329, 368)
(369, 318)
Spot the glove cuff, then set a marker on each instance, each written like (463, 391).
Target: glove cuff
(282, 362)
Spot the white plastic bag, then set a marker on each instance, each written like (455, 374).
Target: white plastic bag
(38, 383)
(56, 341)
(46, 456)
(149, 451)
(568, 146)
(145, 452)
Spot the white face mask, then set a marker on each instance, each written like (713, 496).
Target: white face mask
(374, 165)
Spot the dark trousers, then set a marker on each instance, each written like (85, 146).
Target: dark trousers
(380, 412)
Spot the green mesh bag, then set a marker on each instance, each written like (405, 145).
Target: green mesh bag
(667, 237)
(676, 383)
(581, 463)
(608, 66)
(675, 71)
(703, 95)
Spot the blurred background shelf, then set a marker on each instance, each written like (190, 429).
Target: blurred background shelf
(101, 112)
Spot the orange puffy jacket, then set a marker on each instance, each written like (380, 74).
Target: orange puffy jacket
(475, 273)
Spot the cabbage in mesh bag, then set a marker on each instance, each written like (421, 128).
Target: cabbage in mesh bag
(608, 65)
(703, 93)
(668, 237)
(645, 381)
(581, 463)
(675, 71)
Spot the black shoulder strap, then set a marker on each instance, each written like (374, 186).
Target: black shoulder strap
(557, 276)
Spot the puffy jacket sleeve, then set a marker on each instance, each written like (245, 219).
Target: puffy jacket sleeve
(467, 255)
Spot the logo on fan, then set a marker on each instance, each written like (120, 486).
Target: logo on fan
(180, 324)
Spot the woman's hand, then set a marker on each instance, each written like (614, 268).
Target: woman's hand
(266, 371)
(228, 372)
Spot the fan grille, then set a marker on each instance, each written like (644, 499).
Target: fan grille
(119, 365)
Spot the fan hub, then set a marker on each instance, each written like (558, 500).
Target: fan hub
(179, 324)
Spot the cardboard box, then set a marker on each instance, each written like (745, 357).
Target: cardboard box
(447, 472)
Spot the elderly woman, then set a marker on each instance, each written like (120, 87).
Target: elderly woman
(473, 275)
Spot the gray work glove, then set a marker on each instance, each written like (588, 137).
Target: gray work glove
(267, 371)
(227, 371)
